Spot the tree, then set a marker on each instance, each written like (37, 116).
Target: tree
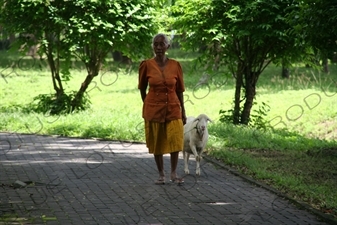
(315, 22)
(97, 27)
(88, 30)
(245, 35)
(34, 22)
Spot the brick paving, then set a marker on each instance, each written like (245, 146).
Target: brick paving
(83, 181)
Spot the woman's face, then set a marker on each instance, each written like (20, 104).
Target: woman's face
(159, 46)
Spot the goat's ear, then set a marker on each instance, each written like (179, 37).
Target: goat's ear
(209, 119)
(196, 119)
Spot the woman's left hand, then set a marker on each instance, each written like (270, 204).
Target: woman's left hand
(183, 117)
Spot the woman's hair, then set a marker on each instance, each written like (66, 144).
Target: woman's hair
(166, 40)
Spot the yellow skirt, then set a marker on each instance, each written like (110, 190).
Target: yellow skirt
(163, 138)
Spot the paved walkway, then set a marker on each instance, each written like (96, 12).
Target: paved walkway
(56, 180)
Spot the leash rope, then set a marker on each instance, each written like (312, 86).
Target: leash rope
(197, 131)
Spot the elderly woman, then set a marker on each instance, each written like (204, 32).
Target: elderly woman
(163, 106)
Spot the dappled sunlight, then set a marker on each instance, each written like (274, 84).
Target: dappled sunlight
(18, 150)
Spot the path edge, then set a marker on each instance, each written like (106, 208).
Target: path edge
(324, 217)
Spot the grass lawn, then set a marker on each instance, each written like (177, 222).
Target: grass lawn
(298, 156)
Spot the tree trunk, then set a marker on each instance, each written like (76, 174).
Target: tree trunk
(285, 72)
(93, 68)
(56, 79)
(119, 57)
(54, 67)
(77, 101)
(285, 69)
(334, 57)
(237, 97)
(250, 78)
(325, 64)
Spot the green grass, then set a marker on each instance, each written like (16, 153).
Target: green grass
(11, 219)
(303, 168)
(298, 157)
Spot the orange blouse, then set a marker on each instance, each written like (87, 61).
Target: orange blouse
(161, 103)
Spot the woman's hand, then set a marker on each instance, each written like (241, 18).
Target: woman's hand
(183, 116)
(143, 94)
(181, 99)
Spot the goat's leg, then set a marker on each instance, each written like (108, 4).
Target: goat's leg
(194, 150)
(186, 158)
(197, 158)
(197, 170)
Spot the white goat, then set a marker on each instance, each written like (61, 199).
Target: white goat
(195, 139)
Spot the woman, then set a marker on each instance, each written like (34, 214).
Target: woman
(163, 106)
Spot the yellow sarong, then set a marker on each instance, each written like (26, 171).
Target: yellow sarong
(163, 138)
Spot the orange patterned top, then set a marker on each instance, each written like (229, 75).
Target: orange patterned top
(161, 103)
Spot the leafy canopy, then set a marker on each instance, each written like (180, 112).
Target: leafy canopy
(259, 26)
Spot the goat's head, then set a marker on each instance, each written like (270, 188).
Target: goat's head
(201, 124)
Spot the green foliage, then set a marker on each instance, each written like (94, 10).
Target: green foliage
(315, 23)
(191, 19)
(56, 105)
(163, 15)
(118, 25)
(88, 30)
(258, 117)
(105, 25)
(261, 24)
(257, 120)
(245, 36)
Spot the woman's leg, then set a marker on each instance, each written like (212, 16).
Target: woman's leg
(160, 166)
(174, 163)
